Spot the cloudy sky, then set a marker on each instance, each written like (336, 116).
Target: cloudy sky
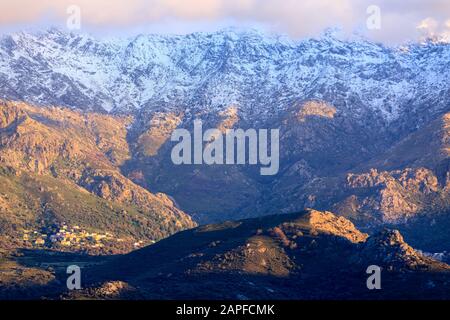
(383, 20)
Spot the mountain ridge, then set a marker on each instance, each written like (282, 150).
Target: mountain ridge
(218, 69)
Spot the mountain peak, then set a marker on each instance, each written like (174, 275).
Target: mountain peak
(390, 247)
(328, 223)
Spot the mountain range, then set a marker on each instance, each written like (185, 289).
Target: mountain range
(85, 148)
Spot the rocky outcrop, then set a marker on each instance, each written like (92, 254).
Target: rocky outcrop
(161, 126)
(327, 222)
(316, 109)
(389, 250)
(397, 195)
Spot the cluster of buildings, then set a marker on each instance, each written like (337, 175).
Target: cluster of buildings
(65, 236)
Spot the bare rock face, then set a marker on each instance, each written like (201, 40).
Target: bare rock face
(327, 222)
(115, 290)
(397, 195)
(9, 114)
(51, 137)
(316, 109)
(412, 183)
(229, 118)
(161, 126)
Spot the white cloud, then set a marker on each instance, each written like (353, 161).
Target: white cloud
(401, 20)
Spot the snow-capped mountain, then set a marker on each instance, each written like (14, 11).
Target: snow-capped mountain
(260, 74)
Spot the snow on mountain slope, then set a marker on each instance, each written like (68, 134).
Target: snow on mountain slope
(260, 74)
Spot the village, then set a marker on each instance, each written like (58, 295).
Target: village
(70, 237)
